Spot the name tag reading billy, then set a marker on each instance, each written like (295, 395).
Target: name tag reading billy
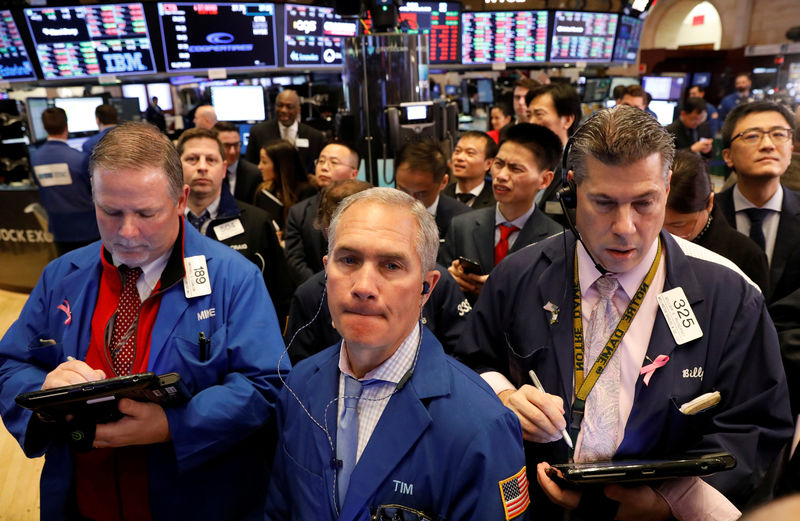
(680, 317)
(196, 282)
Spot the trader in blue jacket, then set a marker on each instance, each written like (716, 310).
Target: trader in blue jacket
(207, 459)
(385, 424)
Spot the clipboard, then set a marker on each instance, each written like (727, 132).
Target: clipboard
(632, 471)
(97, 400)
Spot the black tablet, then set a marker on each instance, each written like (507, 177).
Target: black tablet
(644, 470)
(98, 399)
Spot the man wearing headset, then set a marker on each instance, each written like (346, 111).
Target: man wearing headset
(384, 423)
(628, 309)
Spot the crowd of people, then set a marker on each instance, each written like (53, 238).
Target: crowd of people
(352, 352)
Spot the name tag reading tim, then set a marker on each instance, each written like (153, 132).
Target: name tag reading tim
(680, 317)
(196, 282)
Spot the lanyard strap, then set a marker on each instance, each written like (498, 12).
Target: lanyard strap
(583, 386)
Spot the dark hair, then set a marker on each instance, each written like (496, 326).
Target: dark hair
(106, 114)
(54, 120)
(424, 155)
(503, 107)
(526, 83)
(346, 144)
(634, 91)
(745, 109)
(331, 196)
(489, 146)
(225, 126)
(542, 142)
(690, 185)
(290, 174)
(694, 105)
(199, 133)
(698, 87)
(618, 92)
(565, 100)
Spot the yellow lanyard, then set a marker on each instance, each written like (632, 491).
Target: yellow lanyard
(584, 386)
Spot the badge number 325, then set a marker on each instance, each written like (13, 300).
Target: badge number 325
(679, 315)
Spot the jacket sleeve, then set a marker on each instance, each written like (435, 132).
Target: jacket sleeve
(293, 238)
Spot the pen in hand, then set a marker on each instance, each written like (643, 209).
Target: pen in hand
(538, 385)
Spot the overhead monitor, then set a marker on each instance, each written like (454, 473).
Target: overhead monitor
(664, 87)
(701, 79)
(80, 113)
(14, 62)
(440, 21)
(35, 107)
(665, 110)
(314, 36)
(208, 35)
(583, 36)
(90, 41)
(626, 45)
(138, 91)
(238, 102)
(504, 36)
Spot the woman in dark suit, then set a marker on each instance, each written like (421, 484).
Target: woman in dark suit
(284, 181)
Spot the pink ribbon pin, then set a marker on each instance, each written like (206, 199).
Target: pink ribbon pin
(65, 308)
(648, 370)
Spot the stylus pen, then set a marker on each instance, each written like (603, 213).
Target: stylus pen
(539, 386)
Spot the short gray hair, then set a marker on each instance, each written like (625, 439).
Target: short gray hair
(620, 136)
(427, 240)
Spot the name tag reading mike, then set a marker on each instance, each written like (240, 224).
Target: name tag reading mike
(680, 317)
(196, 282)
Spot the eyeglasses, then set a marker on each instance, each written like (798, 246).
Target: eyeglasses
(335, 163)
(232, 145)
(753, 136)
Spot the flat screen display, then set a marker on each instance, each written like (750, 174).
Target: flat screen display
(664, 87)
(665, 110)
(238, 102)
(138, 91)
(214, 35)
(89, 41)
(626, 46)
(504, 36)
(596, 89)
(583, 36)
(163, 92)
(35, 108)
(14, 61)
(80, 113)
(439, 20)
(313, 36)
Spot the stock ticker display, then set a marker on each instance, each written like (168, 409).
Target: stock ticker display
(583, 36)
(504, 36)
(14, 61)
(627, 44)
(313, 36)
(209, 35)
(439, 20)
(89, 41)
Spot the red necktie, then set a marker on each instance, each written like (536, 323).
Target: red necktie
(501, 248)
(123, 338)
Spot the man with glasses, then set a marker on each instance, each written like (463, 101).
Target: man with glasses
(286, 126)
(243, 176)
(757, 145)
(305, 244)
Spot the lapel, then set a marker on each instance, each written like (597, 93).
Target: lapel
(483, 237)
(786, 238)
(534, 230)
(403, 422)
(724, 200)
(82, 303)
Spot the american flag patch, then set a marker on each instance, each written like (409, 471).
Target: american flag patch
(514, 493)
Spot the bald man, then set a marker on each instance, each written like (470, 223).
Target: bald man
(205, 117)
(286, 125)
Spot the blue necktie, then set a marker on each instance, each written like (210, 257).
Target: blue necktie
(757, 216)
(347, 434)
(198, 222)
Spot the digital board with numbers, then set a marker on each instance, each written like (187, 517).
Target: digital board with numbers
(214, 35)
(583, 36)
(626, 46)
(313, 36)
(89, 41)
(439, 20)
(504, 36)
(14, 61)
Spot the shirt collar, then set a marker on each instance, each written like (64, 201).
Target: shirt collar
(435, 206)
(151, 272)
(519, 222)
(629, 281)
(293, 127)
(740, 202)
(213, 208)
(232, 169)
(475, 191)
(395, 367)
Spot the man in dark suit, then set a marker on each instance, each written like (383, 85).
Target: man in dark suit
(757, 145)
(421, 172)
(523, 166)
(287, 126)
(691, 130)
(243, 176)
(305, 244)
(472, 158)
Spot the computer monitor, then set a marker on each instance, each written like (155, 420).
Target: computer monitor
(163, 92)
(239, 103)
(314, 36)
(629, 35)
(128, 109)
(664, 87)
(583, 36)
(15, 65)
(596, 89)
(208, 35)
(91, 40)
(504, 36)
(701, 79)
(35, 107)
(80, 113)
(485, 90)
(138, 91)
(621, 80)
(665, 110)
